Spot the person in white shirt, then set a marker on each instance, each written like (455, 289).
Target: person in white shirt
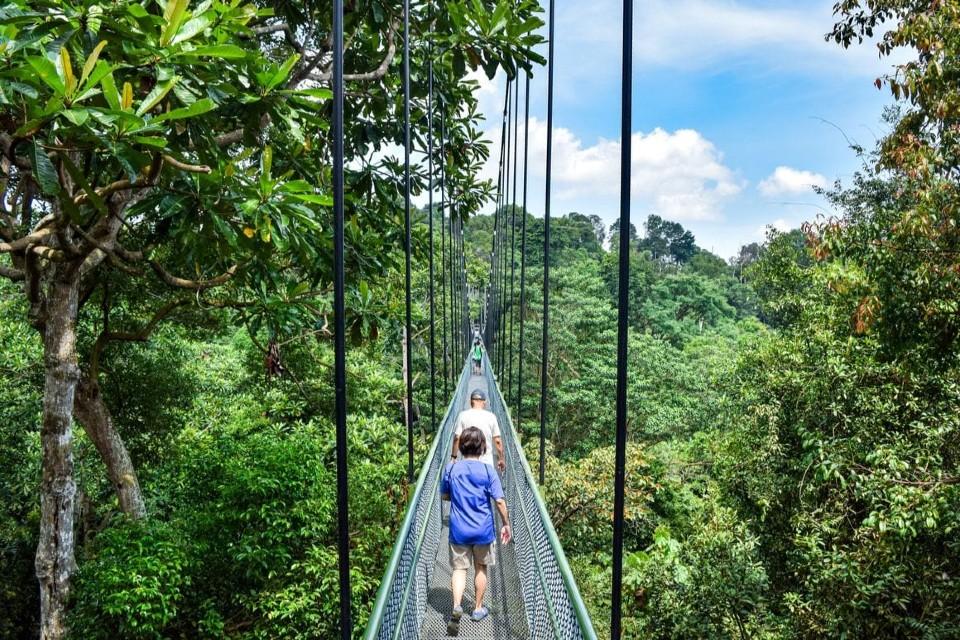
(478, 416)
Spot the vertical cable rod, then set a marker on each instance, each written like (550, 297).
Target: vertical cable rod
(502, 237)
(443, 251)
(339, 327)
(626, 115)
(523, 250)
(408, 239)
(545, 342)
(503, 251)
(453, 315)
(433, 332)
(511, 308)
(494, 271)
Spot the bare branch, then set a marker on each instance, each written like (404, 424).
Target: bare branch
(376, 74)
(236, 135)
(196, 285)
(183, 166)
(111, 252)
(273, 28)
(49, 253)
(21, 243)
(12, 274)
(136, 336)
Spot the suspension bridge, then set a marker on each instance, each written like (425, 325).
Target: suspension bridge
(532, 593)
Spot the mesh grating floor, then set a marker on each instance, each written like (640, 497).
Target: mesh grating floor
(504, 598)
(527, 594)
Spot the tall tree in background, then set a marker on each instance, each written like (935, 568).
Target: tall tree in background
(667, 241)
(844, 451)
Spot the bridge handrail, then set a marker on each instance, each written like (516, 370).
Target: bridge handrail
(573, 592)
(376, 615)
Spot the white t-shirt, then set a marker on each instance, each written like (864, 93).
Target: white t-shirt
(484, 420)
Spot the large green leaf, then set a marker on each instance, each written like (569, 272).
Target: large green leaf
(47, 71)
(197, 108)
(158, 93)
(225, 51)
(43, 170)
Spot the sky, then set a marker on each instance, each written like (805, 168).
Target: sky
(740, 107)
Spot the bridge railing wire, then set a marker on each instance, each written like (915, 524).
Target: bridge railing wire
(545, 592)
(551, 599)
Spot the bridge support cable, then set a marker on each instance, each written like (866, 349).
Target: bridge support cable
(408, 241)
(430, 215)
(501, 213)
(545, 341)
(623, 286)
(523, 253)
(492, 298)
(339, 327)
(443, 262)
(511, 309)
(502, 253)
(502, 283)
(448, 366)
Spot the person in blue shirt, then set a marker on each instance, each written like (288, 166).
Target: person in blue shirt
(470, 485)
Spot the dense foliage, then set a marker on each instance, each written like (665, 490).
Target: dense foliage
(794, 460)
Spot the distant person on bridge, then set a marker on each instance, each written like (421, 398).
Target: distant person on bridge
(470, 485)
(478, 416)
(477, 354)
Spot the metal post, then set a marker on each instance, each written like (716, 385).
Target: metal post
(626, 107)
(513, 244)
(443, 253)
(339, 330)
(546, 248)
(523, 252)
(408, 236)
(433, 332)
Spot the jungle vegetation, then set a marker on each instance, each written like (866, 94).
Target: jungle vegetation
(166, 446)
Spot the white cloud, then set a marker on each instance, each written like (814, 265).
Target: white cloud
(679, 175)
(786, 180)
(696, 34)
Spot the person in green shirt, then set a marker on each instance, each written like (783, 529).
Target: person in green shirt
(477, 354)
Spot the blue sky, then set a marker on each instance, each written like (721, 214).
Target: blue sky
(739, 106)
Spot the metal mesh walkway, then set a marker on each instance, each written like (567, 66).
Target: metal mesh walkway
(531, 592)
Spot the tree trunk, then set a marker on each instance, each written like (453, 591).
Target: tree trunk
(55, 562)
(93, 413)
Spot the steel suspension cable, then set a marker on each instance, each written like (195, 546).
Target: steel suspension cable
(523, 251)
(545, 343)
(450, 254)
(433, 333)
(502, 282)
(454, 262)
(408, 239)
(502, 259)
(494, 271)
(339, 327)
(443, 256)
(626, 107)
(513, 243)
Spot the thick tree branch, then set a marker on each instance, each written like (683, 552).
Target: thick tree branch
(131, 336)
(235, 136)
(183, 166)
(376, 74)
(12, 274)
(22, 243)
(196, 285)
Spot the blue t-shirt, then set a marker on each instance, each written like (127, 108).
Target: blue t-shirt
(471, 485)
